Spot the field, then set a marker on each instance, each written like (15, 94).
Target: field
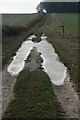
(17, 19)
(70, 21)
(36, 84)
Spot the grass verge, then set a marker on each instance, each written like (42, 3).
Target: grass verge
(34, 97)
(70, 21)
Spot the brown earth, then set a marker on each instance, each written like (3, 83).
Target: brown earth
(34, 60)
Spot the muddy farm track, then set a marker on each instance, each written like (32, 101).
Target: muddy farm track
(67, 94)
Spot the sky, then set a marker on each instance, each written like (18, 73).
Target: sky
(18, 6)
(23, 6)
(61, 0)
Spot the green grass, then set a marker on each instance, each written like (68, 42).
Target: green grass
(10, 41)
(70, 21)
(17, 19)
(34, 97)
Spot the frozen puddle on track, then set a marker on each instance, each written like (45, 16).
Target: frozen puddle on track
(21, 55)
(55, 69)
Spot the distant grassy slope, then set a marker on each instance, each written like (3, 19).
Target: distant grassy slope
(13, 35)
(17, 19)
(70, 21)
(34, 97)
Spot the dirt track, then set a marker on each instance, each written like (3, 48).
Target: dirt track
(34, 61)
(66, 94)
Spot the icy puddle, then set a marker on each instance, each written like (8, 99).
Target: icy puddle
(18, 62)
(56, 70)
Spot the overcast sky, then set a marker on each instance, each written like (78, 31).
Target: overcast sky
(18, 6)
(61, 0)
(23, 6)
